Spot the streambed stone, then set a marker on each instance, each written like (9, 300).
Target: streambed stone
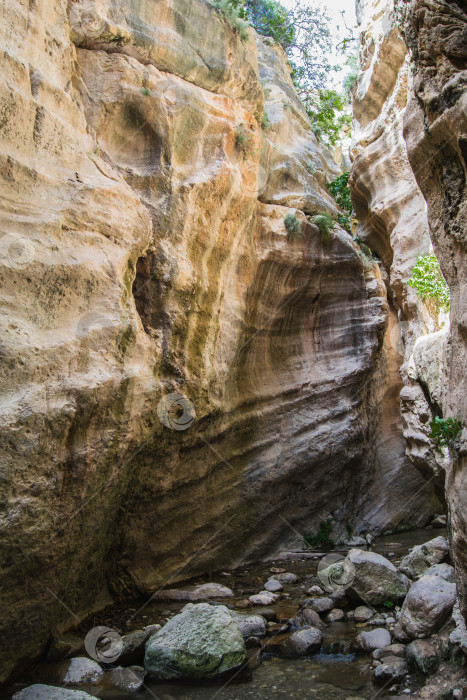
(194, 593)
(376, 639)
(250, 625)
(39, 691)
(376, 579)
(423, 556)
(427, 606)
(204, 641)
(301, 643)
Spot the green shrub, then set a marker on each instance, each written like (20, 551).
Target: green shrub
(324, 108)
(234, 13)
(245, 141)
(429, 283)
(146, 91)
(340, 190)
(293, 225)
(445, 431)
(265, 122)
(325, 223)
(388, 604)
(322, 539)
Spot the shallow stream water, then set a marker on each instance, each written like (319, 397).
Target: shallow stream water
(337, 673)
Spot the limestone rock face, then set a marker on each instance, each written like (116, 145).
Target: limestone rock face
(435, 129)
(392, 220)
(146, 268)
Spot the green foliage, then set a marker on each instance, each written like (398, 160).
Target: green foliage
(351, 79)
(293, 225)
(349, 529)
(445, 431)
(325, 223)
(429, 283)
(245, 141)
(388, 604)
(304, 34)
(265, 122)
(340, 190)
(146, 92)
(323, 107)
(322, 539)
(234, 12)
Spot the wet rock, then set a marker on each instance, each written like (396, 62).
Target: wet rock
(376, 639)
(268, 613)
(422, 656)
(273, 586)
(250, 625)
(263, 598)
(48, 692)
(307, 616)
(129, 679)
(315, 590)
(391, 650)
(427, 606)
(423, 556)
(376, 579)
(253, 642)
(194, 593)
(202, 642)
(81, 671)
(339, 598)
(399, 634)
(133, 645)
(362, 613)
(392, 671)
(335, 615)
(303, 642)
(321, 604)
(64, 646)
(276, 570)
(286, 577)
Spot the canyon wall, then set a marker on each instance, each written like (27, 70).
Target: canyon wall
(143, 256)
(435, 129)
(408, 186)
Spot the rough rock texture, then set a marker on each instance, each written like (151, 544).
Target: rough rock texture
(376, 639)
(435, 129)
(423, 556)
(393, 222)
(48, 692)
(376, 579)
(145, 254)
(203, 641)
(427, 606)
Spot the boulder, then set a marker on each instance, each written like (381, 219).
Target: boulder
(362, 613)
(427, 606)
(48, 692)
(422, 656)
(376, 639)
(376, 579)
(391, 650)
(446, 571)
(194, 593)
(286, 577)
(315, 590)
(250, 625)
(82, 671)
(202, 642)
(129, 679)
(63, 646)
(439, 521)
(356, 541)
(133, 646)
(335, 615)
(392, 670)
(321, 604)
(307, 616)
(273, 586)
(263, 598)
(423, 556)
(301, 643)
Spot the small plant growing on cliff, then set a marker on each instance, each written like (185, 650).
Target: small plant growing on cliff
(325, 224)
(265, 122)
(388, 604)
(234, 13)
(445, 432)
(245, 142)
(146, 91)
(322, 539)
(340, 190)
(429, 283)
(293, 225)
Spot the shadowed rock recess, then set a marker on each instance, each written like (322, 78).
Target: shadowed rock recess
(144, 253)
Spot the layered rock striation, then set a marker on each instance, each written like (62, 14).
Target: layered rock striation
(144, 255)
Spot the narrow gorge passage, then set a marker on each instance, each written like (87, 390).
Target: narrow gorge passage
(233, 380)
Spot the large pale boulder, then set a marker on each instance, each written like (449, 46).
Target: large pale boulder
(48, 692)
(195, 593)
(376, 578)
(376, 639)
(250, 625)
(302, 642)
(427, 606)
(423, 556)
(203, 642)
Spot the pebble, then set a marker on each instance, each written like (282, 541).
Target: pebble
(315, 590)
(273, 586)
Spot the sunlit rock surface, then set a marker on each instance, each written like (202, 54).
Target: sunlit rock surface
(144, 254)
(435, 128)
